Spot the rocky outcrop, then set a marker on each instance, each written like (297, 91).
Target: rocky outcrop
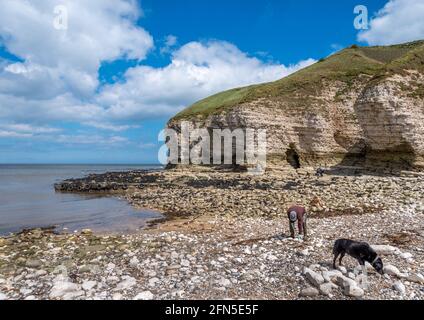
(346, 116)
(392, 120)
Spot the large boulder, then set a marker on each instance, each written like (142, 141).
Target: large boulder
(315, 278)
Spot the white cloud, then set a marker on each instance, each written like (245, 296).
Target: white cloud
(147, 145)
(170, 42)
(109, 126)
(13, 134)
(58, 78)
(67, 61)
(197, 70)
(399, 21)
(54, 135)
(26, 128)
(98, 30)
(85, 139)
(22, 130)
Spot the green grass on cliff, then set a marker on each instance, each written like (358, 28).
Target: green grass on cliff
(301, 88)
(209, 105)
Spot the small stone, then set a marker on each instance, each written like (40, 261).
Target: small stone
(271, 257)
(331, 275)
(417, 278)
(309, 292)
(88, 285)
(384, 249)
(173, 267)
(134, 262)
(112, 279)
(185, 263)
(354, 291)
(313, 277)
(95, 248)
(73, 295)
(40, 273)
(327, 288)
(304, 252)
(344, 281)
(25, 291)
(406, 255)
(128, 283)
(117, 297)
(145, 295)
(224, 282)
(362, 281)
(33, 263)
(63, 288)
(153, 281)
(110, 267)
(342, 269)
(85, 269)
(391, 270)
(3, 296)
(399, 287)
(86, 231)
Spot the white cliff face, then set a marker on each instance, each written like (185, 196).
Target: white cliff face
(392, 119)
(378, 124)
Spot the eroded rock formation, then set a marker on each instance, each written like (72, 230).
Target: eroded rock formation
(361, 106)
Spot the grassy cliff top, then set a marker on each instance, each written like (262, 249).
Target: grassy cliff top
(302, 86)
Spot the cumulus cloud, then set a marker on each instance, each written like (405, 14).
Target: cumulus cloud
(60, 61)
(13, 134)
(109, 126)
(23, 130)
(97, 30)
(197, 70)
(83, 139)
(28, 129)
(399, 21)
(56, 76)
(169, 43)
(55, 135)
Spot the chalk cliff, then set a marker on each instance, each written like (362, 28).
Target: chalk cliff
(362, 106)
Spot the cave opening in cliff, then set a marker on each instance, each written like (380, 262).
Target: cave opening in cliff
(293, 157)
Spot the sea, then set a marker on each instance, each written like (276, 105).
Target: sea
(28, 200)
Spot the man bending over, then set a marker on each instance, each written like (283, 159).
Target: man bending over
(297, 213)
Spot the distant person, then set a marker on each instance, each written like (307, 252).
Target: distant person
(297, 213)
(320, 172)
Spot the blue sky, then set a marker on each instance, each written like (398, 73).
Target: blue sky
(101, 88)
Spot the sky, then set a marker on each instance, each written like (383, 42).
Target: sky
(96, 81)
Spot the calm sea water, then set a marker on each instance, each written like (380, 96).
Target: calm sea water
(28, 199)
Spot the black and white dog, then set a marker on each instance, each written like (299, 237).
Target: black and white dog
(361, 251)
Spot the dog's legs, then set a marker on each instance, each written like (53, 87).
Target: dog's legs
(341, 258)
(336, 255)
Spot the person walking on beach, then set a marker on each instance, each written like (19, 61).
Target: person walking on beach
(297, 213)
